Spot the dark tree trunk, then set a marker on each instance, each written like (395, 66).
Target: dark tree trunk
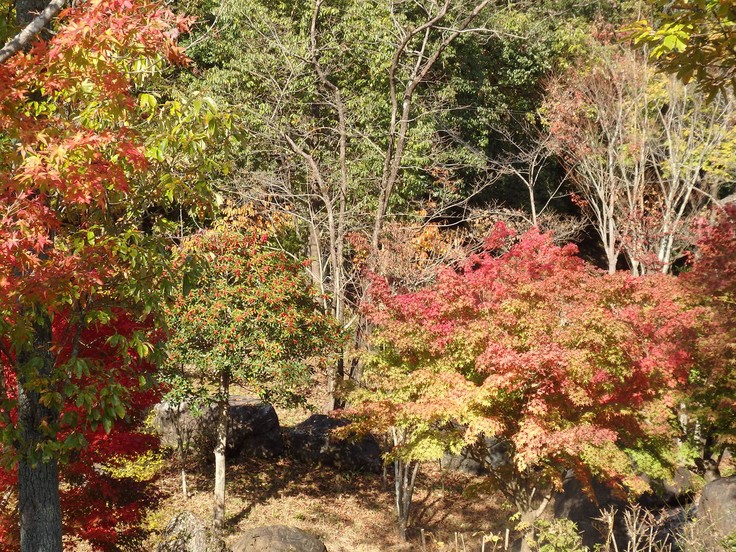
(38, 480)
(334, 380)
(40, 512)
(405, 476)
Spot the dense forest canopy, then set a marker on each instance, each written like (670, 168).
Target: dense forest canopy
(454, 222)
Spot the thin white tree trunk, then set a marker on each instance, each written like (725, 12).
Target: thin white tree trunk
(182, 466)
(218, 516)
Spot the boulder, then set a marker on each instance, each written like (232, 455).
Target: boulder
(278, 538)
(312, 442)
(171, 421)
(672, 493)
(489, 453)
(186, 533)
(573, 504)
(463, 462)
(253, 428)
(716, 512)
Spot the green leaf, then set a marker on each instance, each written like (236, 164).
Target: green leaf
(147, 101)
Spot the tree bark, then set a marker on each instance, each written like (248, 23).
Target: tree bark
(529, 516)
(39, 507)
(33, 16)
(181, 451)
(218, 516)
(405, 476)
(182, 467)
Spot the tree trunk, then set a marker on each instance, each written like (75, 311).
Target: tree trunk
(529, 516)
(176, 419)
(218, 516)
(334, 379)
(401, 470)
(38, 504)
(39, 508)
(405, 476)
(182, 465)
(526, 541)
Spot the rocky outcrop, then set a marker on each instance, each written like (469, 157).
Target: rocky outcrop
(573, 504)
(479, 459)
(312, 442)
(278, 538)
(716, 513)
(253, 428)
(677, 491)
(186, 533)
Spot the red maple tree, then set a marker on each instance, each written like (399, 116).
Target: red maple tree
(99, 506)
(559, 365)
(708, 418)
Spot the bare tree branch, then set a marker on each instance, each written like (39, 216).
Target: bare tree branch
(23, 38)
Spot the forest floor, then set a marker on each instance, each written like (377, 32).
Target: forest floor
(349, 512)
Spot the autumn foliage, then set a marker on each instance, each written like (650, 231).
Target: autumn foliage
(250, 312)
(711, 279)
(73, 170)
(561, 365)
(84, 184)
(100, 505)
(69, 149)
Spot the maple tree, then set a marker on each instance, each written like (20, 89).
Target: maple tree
(89, 166)
(248, 318)
(103, 499)
(709, 417)
(526, 349)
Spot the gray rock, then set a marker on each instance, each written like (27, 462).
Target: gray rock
(173, 421)
(573, 504)
(463, 462)
(671, 493)
(671, 523)
(186, 533)
(312, 442)
(708, 468)
(486, 455)
(278, 538)
(253, 428)
(716, 512)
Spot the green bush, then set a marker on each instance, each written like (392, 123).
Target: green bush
(558, 535)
